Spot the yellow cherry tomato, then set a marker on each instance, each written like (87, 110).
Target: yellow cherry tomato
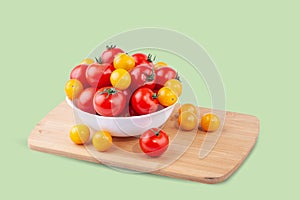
(120, 79)
(160, 64)
(73, 88)
(80, 134)
(187, 121)
(189, 108)
(124, 61)
(87, 61)
(166, 96)
(102, 140)
(210, 122)
(175, 85)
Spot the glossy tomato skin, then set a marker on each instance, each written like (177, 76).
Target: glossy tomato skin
(120, 79)
(85, 100)
(108, 101)
(144, 101)
(78, 73)
(73, 88)
(141, 58)
(143, 75)
(124, 61)
(109, 54)
(154, 142)
(102, 140)
(210, 122)
(80, 134)
(163, 74)
(98, 75)
(166, 96)
(175, 85)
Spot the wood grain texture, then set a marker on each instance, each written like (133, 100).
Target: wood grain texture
(237, 138)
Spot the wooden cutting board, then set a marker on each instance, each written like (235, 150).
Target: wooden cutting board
(182, 160)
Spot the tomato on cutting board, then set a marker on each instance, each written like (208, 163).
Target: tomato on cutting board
(188, 107)
(79, 134)
(187, 121)
(102, 140)
(210, 122)
(154, 142)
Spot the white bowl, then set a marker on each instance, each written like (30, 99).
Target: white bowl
(122, 126)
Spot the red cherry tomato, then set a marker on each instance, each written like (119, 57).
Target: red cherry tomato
(78, 73)
(98, 75)
(142, 75)
(144, 101)
(163, 74)
(141, 58)
(109, 101)
(109, 54)
(85, 100)
(154, 142)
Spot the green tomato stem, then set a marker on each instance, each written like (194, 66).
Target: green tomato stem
(150, 77)
(156, 132)
(154, 96)
(109, 91)
(98, 60)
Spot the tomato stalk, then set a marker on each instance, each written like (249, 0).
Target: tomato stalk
(110, 47)
(98, 60)
(155, 132)
(177, 76)
(154, 96)
(150, 59)
(109, 91)
(150, 77)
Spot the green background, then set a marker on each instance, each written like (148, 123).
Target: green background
(255, 45)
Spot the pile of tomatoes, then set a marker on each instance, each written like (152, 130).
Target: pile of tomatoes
(119, 84)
